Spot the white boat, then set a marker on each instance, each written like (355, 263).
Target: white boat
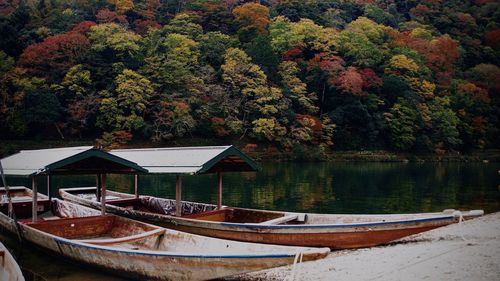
(9, 269)
(134, 249)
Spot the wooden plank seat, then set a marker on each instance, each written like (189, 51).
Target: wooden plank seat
(285, 219)
(126, 239)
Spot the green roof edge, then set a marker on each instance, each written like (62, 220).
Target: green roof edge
(90, 153)
(231, 150)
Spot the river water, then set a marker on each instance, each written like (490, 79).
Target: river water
(305, 187)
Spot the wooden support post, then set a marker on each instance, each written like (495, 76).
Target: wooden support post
(34, 206)
(103, 194)
(219, 190)
(98, 187)
(49, 179)
(136, 185)
(178, 196)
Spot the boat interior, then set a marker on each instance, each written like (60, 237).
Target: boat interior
(209, 212)
(22, 198)
(82, 224)
(20, 194)
(190, 210)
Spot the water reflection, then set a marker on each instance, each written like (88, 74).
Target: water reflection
(305, 187)
(326, 187)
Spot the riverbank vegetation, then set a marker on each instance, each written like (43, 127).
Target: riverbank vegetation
(300, 77)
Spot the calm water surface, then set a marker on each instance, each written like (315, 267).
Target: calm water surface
(305, 187)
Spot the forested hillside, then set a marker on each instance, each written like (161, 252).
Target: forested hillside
(363, 74)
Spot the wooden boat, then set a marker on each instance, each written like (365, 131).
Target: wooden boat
(273, 227)
(22, 201)
(144, 251)
(9, 269)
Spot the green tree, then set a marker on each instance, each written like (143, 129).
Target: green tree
(113, 39)
(213, 46)
(401, 121)
(444, 124)
(123, 109)
(171, 63)
(295, 89)
(77, 91)
(358, 49)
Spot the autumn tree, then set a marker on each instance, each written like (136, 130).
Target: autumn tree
(56, 54)
(122, 6)
(253, 19)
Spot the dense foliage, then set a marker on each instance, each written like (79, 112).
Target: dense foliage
(362, 74)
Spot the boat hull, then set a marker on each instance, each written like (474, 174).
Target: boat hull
(333, 235)
(174, 259)
(332, 240)
(9, 269)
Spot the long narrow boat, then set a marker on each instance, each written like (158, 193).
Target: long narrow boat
(9, 269)
(273, 227)
(22, 201)
(143, 251)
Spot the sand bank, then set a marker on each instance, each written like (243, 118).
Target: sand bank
(466, 251)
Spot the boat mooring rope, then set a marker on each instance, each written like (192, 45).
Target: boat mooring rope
(298, 259)
(460, 224)
(11, 212)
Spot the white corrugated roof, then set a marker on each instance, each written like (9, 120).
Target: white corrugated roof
(30, 162)
(173, 160)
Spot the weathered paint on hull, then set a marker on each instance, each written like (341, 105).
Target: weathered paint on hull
(333, 240)
(151, 265)
(334, 236)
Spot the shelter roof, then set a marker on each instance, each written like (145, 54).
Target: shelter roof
(69, 160)
(189, 160)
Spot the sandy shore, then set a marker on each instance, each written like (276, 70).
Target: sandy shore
(467, 251)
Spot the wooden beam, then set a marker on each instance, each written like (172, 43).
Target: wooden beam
(219, 190)
(34, 206)
(281, 220)
(98, 187)
(103, 194)
(178, 196)
(136, 185)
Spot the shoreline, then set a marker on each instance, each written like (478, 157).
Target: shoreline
(466, 251)
(272, 154)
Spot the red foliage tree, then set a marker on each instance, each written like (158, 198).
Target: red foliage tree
(83, 27)
(55, 53)
(142, 26)
(440, 54)
(349, 81)
(492, 38)
(107, 16)
(370, 78)
(330, 64)
(218, 126)
(293, 54)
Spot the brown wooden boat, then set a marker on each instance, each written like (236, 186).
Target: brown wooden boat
(273, 227)
(9, 269)
(144, 251)
(22, 198)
